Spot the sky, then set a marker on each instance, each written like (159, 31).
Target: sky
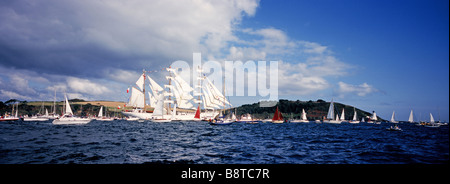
(381, 56)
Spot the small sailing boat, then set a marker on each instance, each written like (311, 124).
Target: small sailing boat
(303, 120)
(355, 119)
(38, 116)
(330, 116)
(100, 116)
(432, 123)
(221, 120)
(393, 118)
(277, 117)
(9, 117)
(343, 116)
(411, 117)
(374, 118)
(69, 118)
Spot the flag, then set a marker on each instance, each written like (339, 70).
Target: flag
(128, 90)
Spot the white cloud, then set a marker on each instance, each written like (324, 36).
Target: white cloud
(305, 67)
(4, 94)
(360, 90)
(314, 48)
(294, 79)
(245, 54)
(85, 86)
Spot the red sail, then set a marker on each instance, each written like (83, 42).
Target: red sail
(197, 114)
(277, 116)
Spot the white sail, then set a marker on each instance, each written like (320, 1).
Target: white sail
(100, 113)
(137, 98)
(431, 118)
(208, 101)
(158, 111)
(174, 111)
(68, 109)
(330, 114)
(140, 82)
(304, 115)
(374, 116)
(181, 91)
(343, 115)
(182, 84)
(411, 119)
(155, 87)
(393, 117)
(152, 100)
(216, 94)
(354, 115)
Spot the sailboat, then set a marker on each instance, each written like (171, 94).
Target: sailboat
(393, 118)
(38, 116)
(100, 116)
(432, 123)
(330, 115)
(411, 117)
(302, 120)
(277, 117)
(355, 119)
(374, 118)
(9, 117)
(69, 119)
(343, 116)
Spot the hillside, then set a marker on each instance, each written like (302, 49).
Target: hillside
(314, 109)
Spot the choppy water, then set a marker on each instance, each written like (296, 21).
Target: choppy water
(198, 142)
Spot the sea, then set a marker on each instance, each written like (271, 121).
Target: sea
(133, 142)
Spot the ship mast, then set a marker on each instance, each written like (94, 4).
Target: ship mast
(169, 97)
(143, 90)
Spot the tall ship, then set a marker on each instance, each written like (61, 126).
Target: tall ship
(176, 92)
(137, 100)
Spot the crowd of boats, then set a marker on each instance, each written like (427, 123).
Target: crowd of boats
(177, 95)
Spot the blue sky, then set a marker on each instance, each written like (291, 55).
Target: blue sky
(398, 47)
(376, 55)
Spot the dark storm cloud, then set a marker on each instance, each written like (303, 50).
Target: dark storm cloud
(54, 37)
(106, 43)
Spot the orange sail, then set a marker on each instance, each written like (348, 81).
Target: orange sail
(197, 114)
(277, 116)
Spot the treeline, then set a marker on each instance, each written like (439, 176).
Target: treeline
(314, 110)
(25, 108)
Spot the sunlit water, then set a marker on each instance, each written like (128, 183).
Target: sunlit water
(200, 143)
